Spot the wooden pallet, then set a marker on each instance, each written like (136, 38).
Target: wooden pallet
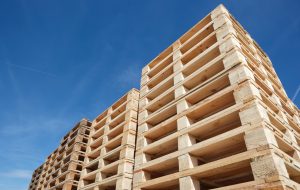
(62, 168)
(213, 115)
(110, 152)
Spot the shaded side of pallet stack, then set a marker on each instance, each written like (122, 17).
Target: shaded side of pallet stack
(36, 176)
(213, 115)
(110, 154)
(61, 170)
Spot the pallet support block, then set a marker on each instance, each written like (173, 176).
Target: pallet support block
(180, 91)
(246, 92)
(189, 183)
(187, 161)
(145, 70)
(296, 155)
(124, 183)
(183, 123)
(218, 11)
(296, 119)
(143, 102)
(269, 84)
(144, 114)
(225, 30)
(144, 91)
(127, 152)
(100, 176)
(291, 136)
(143, 128)
(240, 74)
(141, 158)
(275, 99)
(140, 176)
(268, 166)
(129, 138)
(253, 113)
(177, 66)
(263, 69)
(230, 43)
(142, 142)
(220, 20)
(144, 80)
(182, 105)
(178, 78)
(185, 141)
(233, 58)
(125, 167)
(259, 137)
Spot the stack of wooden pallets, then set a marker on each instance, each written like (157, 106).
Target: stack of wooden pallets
(110, 153)
(62, 168)
(213, 115)
(36, 176)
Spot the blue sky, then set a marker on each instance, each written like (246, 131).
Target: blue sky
(61, 61)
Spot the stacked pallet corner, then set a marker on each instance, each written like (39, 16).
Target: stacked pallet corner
(213, 115)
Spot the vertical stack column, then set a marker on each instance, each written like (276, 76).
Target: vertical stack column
(110, 154)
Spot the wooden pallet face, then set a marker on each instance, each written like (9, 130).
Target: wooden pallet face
(210, 99)
(110, 152)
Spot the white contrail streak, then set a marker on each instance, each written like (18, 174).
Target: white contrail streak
(31, 69)
(296, 93)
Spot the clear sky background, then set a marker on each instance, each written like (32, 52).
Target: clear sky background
(61, 61)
